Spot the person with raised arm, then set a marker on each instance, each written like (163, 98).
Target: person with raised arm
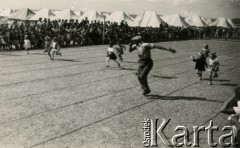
(145, 59)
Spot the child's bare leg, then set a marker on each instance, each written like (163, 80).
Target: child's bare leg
(120, 57)
(215, 75)
(53, 55)
(117, 63)
(58, 53)
(49, 54)
(107, 61)
(200, 74)
(210, 78)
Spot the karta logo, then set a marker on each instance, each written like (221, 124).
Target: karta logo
(154, 133)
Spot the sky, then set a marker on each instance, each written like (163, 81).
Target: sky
(207, 8)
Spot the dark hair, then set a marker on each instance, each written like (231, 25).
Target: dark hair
(111, 44)
(213, 54)
(206, 46)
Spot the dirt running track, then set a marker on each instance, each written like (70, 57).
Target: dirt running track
(75, 101)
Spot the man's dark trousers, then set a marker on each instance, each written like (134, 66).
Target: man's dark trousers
(144, 68)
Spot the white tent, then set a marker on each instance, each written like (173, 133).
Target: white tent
(150, 19)
(65, 14)
(231, 22)
(221, 22)
(207, 20)
(136, 21)
(22, 14)
(35, 11)
(119, 16)
(56, 12)
(44, 13)
(6, 12)
(196, 21)
(92, 15)
(174, 20)
(106, 14)
(78, 13)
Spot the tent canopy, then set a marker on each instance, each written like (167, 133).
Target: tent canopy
(221, 22)
(149, 19)
(231, 22)
(6, 12)
(92, 15)
(66, 14)
(119, 16)
(136, 21)
(196, 21)
(78, 13)
(44, 13)
(106, 14)
(22, 14)
(174, 20)
(207, 20)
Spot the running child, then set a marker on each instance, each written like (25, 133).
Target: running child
(27, 43)
(55, 48)
(120, 51)
(111, 56)
(213, 66)
(47, 46)
(200, 63)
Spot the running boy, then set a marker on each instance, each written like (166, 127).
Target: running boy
(55, 48)
(213, 66)
(111, 56)
(47, 46)
(27, 43)
(120, 51)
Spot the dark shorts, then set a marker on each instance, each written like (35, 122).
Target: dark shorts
(112, 56)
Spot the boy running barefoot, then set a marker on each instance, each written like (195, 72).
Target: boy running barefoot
(55, 48)
(27, 43)
(111, 56)
(120, 50)
(213, 67)
(47, 46)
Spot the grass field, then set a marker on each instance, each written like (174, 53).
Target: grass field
(75, 101)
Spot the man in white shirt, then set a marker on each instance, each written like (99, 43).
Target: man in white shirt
(145, 60)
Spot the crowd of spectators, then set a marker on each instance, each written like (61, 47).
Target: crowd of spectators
(76, 33)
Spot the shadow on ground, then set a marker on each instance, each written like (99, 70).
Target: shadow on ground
(67, 60)
(130, 62)
(8, 54)
(230, 84)
(131, 69)
(39, 53)
(164, 77)
(180, 98)
(220, 80)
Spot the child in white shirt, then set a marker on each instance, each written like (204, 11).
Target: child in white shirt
(55, 48)
(27, 44)
(111, 55)
(213, 66)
